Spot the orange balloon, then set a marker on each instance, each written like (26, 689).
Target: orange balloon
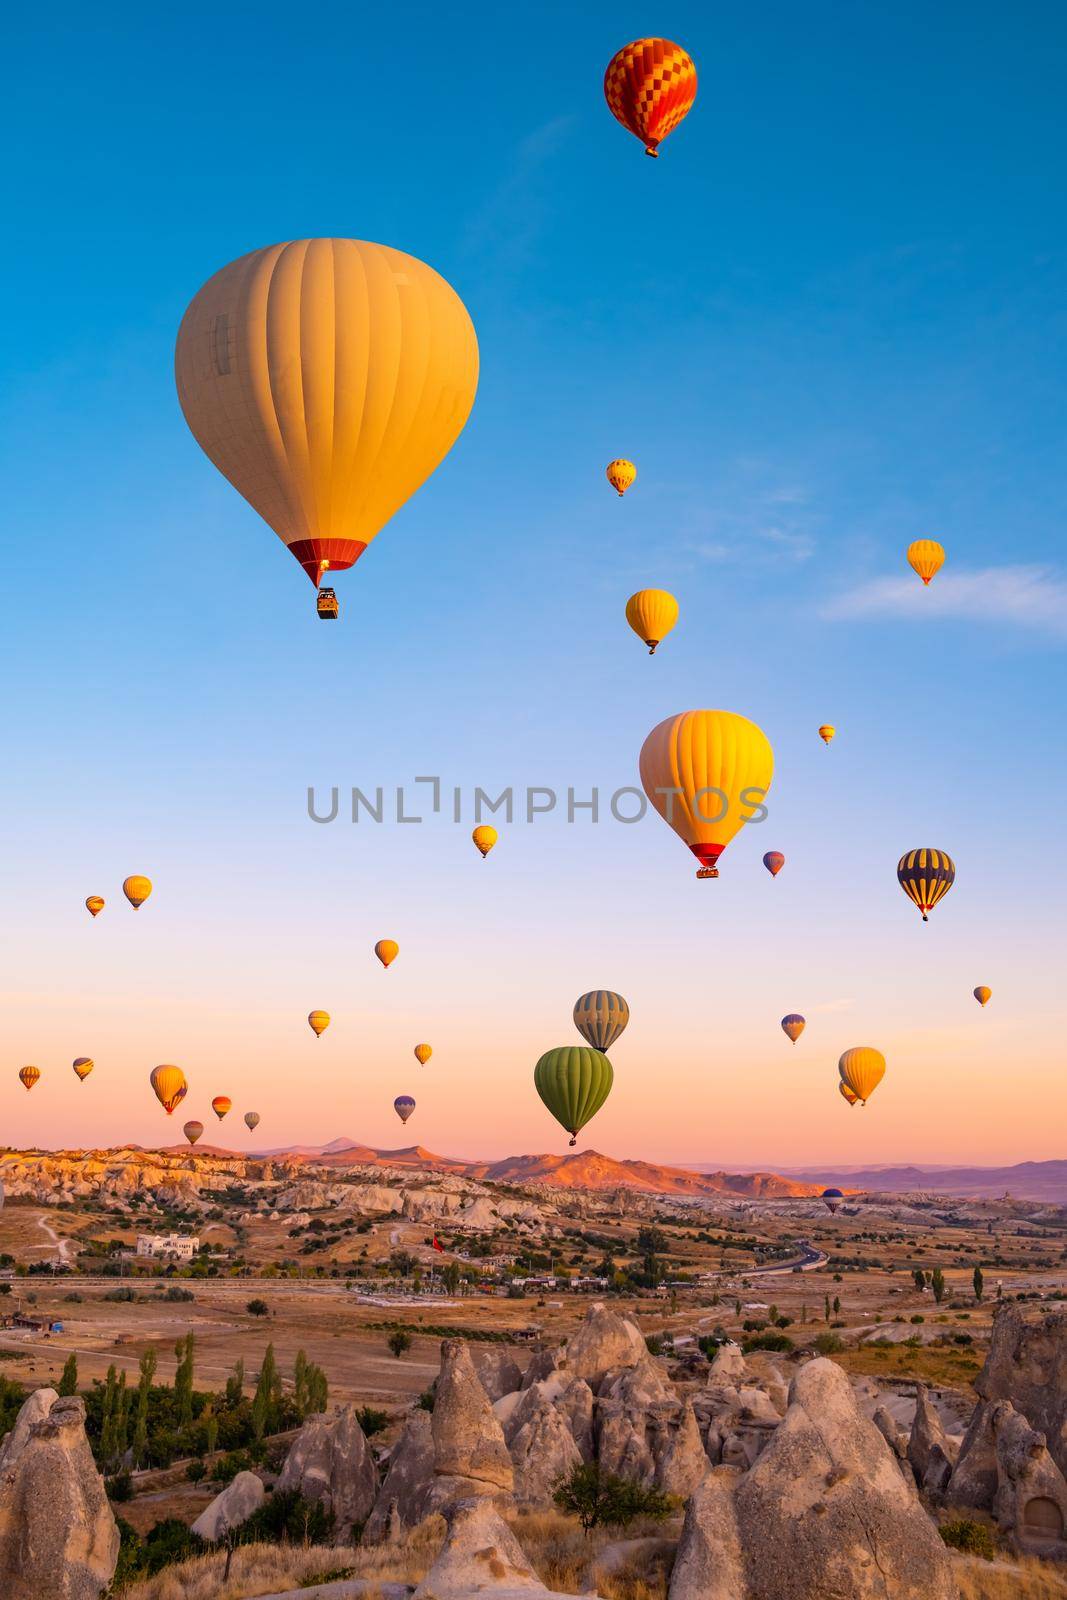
(422, 1054)
(169, 1086)
(650, 85)
(29, 1076)
(94, 905)
(387, 951)
(221, 1104)
(83, 1066)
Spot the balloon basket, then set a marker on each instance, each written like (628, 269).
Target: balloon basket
(708, 872)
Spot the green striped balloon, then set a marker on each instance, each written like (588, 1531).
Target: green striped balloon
(573, 1081)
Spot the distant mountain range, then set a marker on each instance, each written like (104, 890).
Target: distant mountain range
(1027, 1180)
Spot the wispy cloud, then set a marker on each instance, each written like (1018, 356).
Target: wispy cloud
(1031, 597)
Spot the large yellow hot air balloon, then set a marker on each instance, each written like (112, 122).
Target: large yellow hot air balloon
(387, 951)
(652, 614)
(926, 876)
(621, 474)
(137, 890)
(983, 994)
(326, 379)
(650, 86)
(423, 1052)
(94, 905)
(706, 773)
(83, 1066)
(193, 1131)
(169, 1086)
(826, 732)
(847, 1094)
(484, 838)
(29, 1076)
(221, 1104)
(926, 557)
(862, 1069)
(318, 1022)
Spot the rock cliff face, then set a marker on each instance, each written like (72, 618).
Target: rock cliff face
(58, 1537)
(1027, 1364)
(240, 1498)
(330, 1462)
(470, 1457)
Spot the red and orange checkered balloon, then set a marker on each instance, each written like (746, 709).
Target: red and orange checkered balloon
(650, 86)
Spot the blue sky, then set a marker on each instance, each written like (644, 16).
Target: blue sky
(828, 320)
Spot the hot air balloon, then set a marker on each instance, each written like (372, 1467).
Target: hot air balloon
(652, 614)
(573, 1081)
(706, 773)
(251, 1120)
(403, 1105)
(600, 1017)
(137, 890)
(774, 861)
(318, 1022)
(326, 379)
(423, 1052)
(94, 905)
(826, 732)
(847, 1094)
(29, 1076)
(169, 1086)
(862, 1069)
(192, 1131)
(484, 838)
(650, 86)
(387, 951)
(621, 475)
(83, 1066)
(926, 876)
(221, 1104)
(982, 994)
(831, 1199)
(793, 1026)
(926, 557)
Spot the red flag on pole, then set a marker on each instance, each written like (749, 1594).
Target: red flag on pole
(437, 1245)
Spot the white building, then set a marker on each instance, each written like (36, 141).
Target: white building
(182, 1246)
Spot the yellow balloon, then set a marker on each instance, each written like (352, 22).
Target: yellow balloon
(29, 1076)
(422, 1054)
(326, 379)
(137, 890)
(926, 557)
(983, 994)
(621, 474)
(94, 905)
(318, 1022)
(706, 773)
(862, 1069)
(484, 838)
(83, 1066)
(826, 732)
(652, 614)
(847, 1094)
(169, 1086)
(387, 951)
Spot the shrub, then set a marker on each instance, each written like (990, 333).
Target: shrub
(120, 1487)
(399, 1341)
(771, 1341)
(195, 1471)
(828, 1344)
(124, 1293)
(425, 1400)
(257, 1308)
(974, 1538)
(372, 1421)
(229, 1465)
(596, 1497)
(176, 1292)
(288, 1518)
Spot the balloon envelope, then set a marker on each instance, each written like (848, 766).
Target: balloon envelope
(326, 379)
(983, 994)
(652, 614)
(318, 1022)
(793, 1026)
(826, 732)
(573, 1081)
(137, 889)
(774, 861)
(83, 1066)
(484, 838)
(650, 86)
(252, 1120)
(926, 557)
(926, 876)
(192, 1131)
(832, 1198)
(403, 1105)
(706, 773)
(600, 1017)
(387, 950)
(847, 1094)
(29, 1076)
(862, 1068)
(221, 1104)
(621, 474)
(423, 1052)
(169, 1086)
(94, 904)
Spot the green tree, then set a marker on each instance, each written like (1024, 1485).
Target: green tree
(826, 1307)
(235, 1383)
(450, 1276)
(258, 1308)
(937, 1284)
(211, 1429)
(979, 1283)
(399, 1342)
(183, 1381)
(837, 1304)
(920, 1278)
(266, 1395)
(596, 1497)
(68, 1383)
(140, 1426)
